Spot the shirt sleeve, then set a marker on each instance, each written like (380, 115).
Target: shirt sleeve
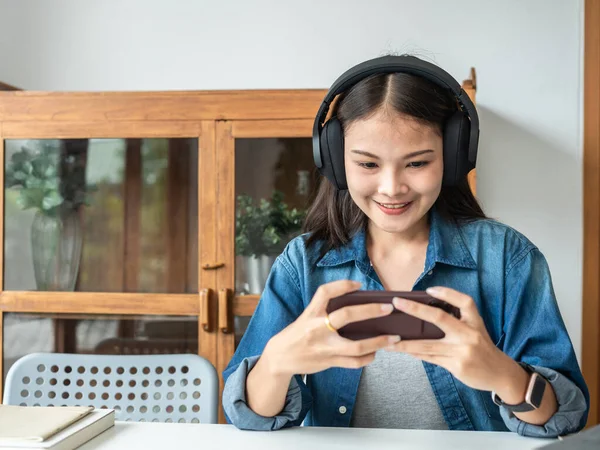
(534, 332)
(239, 413)
(280, 304)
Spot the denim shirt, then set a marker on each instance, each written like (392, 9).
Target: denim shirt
(504, 273)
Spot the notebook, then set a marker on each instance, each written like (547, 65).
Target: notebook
(56, 428)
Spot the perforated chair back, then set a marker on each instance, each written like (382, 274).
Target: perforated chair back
(144, 388)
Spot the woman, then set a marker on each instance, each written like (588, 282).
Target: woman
(396, 213)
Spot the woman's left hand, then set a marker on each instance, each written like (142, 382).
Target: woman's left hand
(466, 351)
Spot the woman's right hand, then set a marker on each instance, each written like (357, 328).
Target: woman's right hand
(307, 346)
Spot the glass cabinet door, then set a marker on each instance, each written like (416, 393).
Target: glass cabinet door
(101, 215)
(104, 242)
(272, 197)
(267, 179)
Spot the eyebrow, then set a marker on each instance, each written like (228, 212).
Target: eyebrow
(410, 155)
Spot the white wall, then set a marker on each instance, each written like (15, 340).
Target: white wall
(527, 55)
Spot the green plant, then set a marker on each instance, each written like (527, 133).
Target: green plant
(45, 180)
(265, 227)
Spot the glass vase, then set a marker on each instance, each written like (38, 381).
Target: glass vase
(56, 250)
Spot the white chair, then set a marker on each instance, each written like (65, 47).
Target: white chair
(145, 388)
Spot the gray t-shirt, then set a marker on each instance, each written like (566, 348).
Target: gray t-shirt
(394, 392)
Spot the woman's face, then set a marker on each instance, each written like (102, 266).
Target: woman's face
(394, 168)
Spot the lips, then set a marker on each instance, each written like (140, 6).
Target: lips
(393, 209)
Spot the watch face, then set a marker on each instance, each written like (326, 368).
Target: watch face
(535, 391)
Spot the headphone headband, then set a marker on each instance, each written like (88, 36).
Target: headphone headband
(394, 64)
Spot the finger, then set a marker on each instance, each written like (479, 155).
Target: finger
(445, 321)
(442, 361)
(348, 314)
(353, 362)
(365, 346)
(331, 290)
(432, 347)
(465, 303)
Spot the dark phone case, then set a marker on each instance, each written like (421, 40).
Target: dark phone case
(397, 323)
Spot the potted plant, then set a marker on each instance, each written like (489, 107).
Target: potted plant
(54, 185)
(263, 228)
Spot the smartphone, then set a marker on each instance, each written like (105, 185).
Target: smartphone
(397, 323)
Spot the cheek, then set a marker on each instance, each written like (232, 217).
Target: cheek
(360, 182)
(430, 181)
(360, 187)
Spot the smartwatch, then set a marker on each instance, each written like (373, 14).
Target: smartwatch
(533, 395)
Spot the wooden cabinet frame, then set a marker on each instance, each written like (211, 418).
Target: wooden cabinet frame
(202, 115)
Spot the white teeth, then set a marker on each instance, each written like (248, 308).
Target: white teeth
(394, 206)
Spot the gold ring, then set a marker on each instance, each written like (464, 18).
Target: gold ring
(328, 324)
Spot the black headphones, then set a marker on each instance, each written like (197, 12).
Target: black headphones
(461, 131)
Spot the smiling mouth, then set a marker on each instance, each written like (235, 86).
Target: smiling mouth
(392, 205)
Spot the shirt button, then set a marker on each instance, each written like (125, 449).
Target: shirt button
(342, 410)
(430, 272)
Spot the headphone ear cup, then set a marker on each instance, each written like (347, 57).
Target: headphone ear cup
(456, 148)
(332, 153)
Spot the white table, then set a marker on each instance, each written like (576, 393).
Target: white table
(175, 436)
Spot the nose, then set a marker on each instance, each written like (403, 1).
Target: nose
(391, 184)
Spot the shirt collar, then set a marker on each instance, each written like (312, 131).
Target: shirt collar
(446, 245)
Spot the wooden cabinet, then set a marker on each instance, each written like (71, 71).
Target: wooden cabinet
(161, 172)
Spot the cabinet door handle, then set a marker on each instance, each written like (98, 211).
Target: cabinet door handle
(213, 266)
(224, 311)
(205, 317)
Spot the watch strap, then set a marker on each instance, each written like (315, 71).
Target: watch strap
(523, 406)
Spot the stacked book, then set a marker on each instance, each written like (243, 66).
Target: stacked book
(56, 428)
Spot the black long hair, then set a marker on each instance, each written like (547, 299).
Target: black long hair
(333, 217)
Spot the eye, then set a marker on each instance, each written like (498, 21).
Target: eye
(368, 165)
(418, 164)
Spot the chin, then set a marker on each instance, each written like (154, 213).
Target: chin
(393, 228)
